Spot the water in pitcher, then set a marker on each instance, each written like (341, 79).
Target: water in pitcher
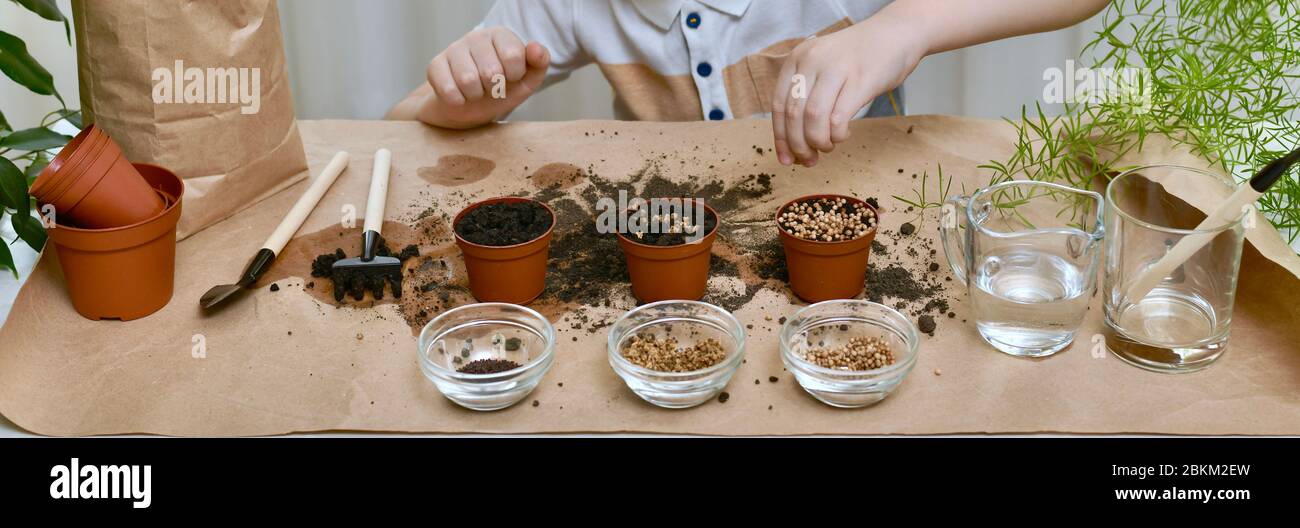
(1028, 301)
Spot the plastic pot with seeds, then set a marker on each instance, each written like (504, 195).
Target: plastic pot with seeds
(827, 240)
(668, 254)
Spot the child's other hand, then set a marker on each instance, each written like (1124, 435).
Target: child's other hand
(467, 91)
(827, 80)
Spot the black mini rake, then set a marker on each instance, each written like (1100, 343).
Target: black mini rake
(371, 271)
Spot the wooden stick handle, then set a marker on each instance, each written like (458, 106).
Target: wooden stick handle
(378, 190)
(306, 203)
(1227, 212)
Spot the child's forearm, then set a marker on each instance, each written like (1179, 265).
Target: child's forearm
(422, 105)
(945, 25)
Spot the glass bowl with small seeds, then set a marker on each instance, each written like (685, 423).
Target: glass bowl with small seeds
(676, 354)
(486, 356)
(849, 353)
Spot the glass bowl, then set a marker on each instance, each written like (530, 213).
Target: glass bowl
(688, 322)
(833, 323)
(486, 331)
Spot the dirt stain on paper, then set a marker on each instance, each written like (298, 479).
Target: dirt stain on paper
(457, 169)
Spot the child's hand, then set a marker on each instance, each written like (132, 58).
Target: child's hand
(467, 91)
(826, 80)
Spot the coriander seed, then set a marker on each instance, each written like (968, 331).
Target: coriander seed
(827, 220)
(664, 355)
(860, 353)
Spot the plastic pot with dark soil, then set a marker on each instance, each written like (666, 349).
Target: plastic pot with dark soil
(827, 240)
(92, 185)
(124, 272)
(668, 257)
(505, 242)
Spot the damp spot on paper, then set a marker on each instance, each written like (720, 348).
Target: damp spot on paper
(558, 175)
(457, 169)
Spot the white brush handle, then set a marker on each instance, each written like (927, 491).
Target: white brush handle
(378, 190)
(1227, 212)
(306, 203)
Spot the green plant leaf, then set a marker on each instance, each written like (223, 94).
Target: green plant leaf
(7, 258)
(35, 167)
(20, 66)
(34, 139)
(49, 10)
(29, 229)
(73, 117)
(13, 185)
(4, 123)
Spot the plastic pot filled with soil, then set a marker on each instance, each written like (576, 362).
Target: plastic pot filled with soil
(505, 242)
(668, 246)
(827, 240)
(92, 185)
(124, 272)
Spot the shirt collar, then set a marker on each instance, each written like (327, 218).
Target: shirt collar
(663, 12)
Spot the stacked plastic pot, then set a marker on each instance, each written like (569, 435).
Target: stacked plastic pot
(113, 227)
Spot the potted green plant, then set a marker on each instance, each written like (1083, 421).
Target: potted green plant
(25, 152)
(1216, 78)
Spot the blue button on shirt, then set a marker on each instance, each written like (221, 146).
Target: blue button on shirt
(704, 69)
(693, 20)
(717, 115)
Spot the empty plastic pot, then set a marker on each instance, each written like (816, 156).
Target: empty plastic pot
(124, 272)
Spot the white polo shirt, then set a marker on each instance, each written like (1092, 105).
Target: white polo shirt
(682, 60)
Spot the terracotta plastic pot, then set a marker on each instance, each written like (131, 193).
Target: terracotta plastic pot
(92, 185)
(124, 272)
(821, 271)
(52, 180)
(512, 274)
(661, 273)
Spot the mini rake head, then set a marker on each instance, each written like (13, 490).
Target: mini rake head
(369, 272)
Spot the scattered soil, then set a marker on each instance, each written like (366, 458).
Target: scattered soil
(504, 223)
(896, 282)
(587, 282)
(907, 228)
(926, 324)
(487, 366)
(275, 287)
(355, 283)
(457, 169)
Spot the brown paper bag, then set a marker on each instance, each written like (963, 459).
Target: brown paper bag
(198, 87)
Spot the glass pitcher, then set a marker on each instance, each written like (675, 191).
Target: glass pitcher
(1028, 252)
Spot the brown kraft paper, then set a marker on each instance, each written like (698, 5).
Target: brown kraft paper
(285, 361)
(198, 87)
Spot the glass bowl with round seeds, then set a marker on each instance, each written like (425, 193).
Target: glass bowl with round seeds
(486, 356)
(676, 354)
(849, 353)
